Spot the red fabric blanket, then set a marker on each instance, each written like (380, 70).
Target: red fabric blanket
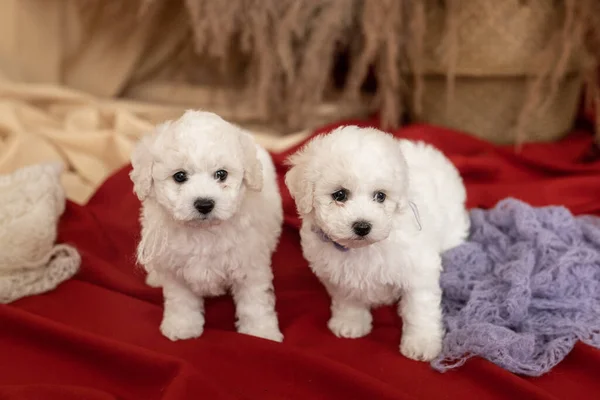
(97, 337)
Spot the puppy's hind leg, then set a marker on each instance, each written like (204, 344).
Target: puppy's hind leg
(349, 318)
(255, 307)
(421, 312)
(153, 280)
(183, 316)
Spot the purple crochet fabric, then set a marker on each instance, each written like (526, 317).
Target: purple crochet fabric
(523, 290)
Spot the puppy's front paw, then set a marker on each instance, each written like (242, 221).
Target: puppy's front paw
(265, 332)
(350, 326)
(183, 326)
(420, 347)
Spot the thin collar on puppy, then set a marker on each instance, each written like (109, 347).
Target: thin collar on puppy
(323, 236)
(415, 211)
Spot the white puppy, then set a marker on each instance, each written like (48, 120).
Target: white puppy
(376, 214)
(211, 219)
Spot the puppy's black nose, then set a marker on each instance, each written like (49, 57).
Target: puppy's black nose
(204, 206)
(361, 228)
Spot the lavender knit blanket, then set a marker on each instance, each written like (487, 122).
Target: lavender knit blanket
(523, 290)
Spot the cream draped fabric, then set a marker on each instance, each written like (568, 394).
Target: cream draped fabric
(31, 203)
(60, 75)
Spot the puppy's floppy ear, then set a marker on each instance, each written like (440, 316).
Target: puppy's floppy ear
(253, 172)
(401, 178)
(142, 162)
(298, 183)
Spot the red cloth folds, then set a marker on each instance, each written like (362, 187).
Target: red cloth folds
(97, 337)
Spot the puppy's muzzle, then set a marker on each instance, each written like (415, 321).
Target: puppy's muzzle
(204, 206)
(361, 228)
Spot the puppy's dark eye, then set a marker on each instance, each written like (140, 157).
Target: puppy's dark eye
(340, 196)
(180, 176)
(379, 197)
(221, 175)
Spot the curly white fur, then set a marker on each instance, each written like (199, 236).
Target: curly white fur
(192, 254)
(420, 214)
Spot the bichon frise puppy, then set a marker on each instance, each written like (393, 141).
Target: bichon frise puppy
(211, 219)
(376, 214)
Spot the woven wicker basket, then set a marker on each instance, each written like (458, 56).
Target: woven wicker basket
(495, 59)
(489, 108)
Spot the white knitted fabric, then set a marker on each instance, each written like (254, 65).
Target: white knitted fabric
(31, 203)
